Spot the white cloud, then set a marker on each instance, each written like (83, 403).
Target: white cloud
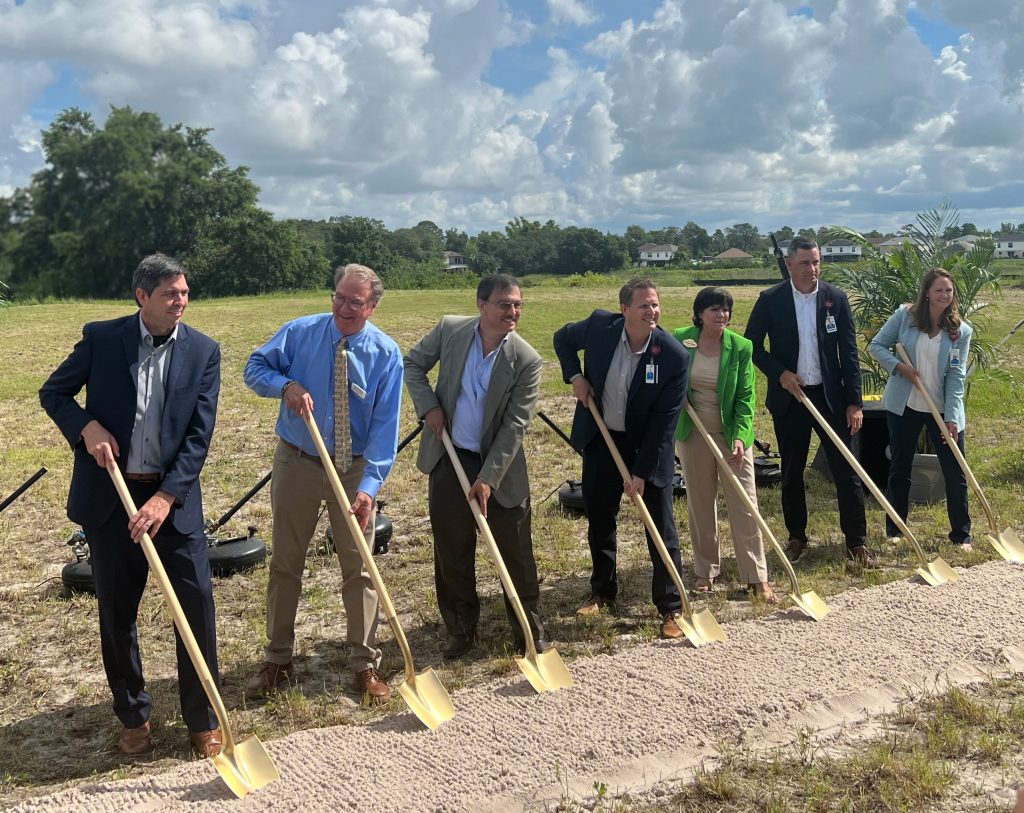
(574, 12)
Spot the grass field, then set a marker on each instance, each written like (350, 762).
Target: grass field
(56, 726)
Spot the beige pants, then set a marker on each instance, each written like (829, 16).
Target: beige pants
(297, 488)
(701, 475)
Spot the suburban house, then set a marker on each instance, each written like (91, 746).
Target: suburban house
(1009, 246)
(733, 254)
(453, 261)
(653, 254)
(841, 251)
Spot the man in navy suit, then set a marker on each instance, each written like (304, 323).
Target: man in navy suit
(813, 350)
(636, 373)
(151, 401)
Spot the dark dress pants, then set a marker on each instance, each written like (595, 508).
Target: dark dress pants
(903, 433)
(602, 496)
(120, 571)
(455, 535)
(793, 433)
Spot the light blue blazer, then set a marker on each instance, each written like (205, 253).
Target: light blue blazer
(900, 328)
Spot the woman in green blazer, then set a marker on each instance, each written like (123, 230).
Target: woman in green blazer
(721, 391)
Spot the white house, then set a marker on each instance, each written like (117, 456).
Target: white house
(653, 254)
(1009, 246)
(841, 251)
(453, 261)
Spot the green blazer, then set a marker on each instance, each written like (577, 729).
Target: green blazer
(735, 385)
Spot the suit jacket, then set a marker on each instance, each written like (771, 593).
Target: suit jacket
(774, 317)
(735, 385)
(508, 407)
(101, 362)
(900, 328)
(652, 410)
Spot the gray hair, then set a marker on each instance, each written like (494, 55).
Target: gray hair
(799, 242)
(153, 270)
(361, 273)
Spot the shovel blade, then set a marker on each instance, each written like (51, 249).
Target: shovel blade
(937, 572)
(812, 604)
(1008, 545)
(706, 627)
(427, 698)
(546, 671)
(246, 767)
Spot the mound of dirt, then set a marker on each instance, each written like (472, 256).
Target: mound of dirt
(631, 719)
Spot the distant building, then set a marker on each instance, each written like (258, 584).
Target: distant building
(1009, 246)
(654, 254)
(453, 261)
(733, 254)
(841, 251)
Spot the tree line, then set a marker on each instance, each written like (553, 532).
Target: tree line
(109, 195)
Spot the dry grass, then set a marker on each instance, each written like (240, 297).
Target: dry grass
(56, 727)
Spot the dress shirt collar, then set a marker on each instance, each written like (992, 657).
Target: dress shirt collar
(147, 338)
(800, 294)
(625, 340)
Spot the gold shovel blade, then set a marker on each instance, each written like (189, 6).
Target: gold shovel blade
(427, 698)
(707, 627)
(546, 672)
(1008, 545)
(937, 572)
(246, 767)
(812, 604)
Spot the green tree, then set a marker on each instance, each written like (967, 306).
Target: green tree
(359, 240)
(746, 237)
(696, 239)
(635, 237)
(583, 250)
(455, 240)
(108, 196)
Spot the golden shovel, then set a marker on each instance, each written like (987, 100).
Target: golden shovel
(1006, 542)
(700, 628)
(245, 765)
(545, 670)
(810, 602)
(935, 572)
(423, 692)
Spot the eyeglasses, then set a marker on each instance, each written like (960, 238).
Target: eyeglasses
(343, 301)
(507, 305)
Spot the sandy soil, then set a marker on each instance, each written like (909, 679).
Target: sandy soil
(632, 719)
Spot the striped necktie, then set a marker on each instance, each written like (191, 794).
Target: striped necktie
(342, 428)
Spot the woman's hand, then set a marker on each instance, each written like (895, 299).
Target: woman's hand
(738, 451)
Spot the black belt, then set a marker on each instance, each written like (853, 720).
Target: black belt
(148, 477)
(460, 450)
(306, 454)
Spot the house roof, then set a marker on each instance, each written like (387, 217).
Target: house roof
(841, 243)
(1010, 237)
(648, 247)
(734, 254)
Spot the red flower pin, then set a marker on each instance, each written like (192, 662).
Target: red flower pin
(954, 336)
(828, 304)
(655, 349)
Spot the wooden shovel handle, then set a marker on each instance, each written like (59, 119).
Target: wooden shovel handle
(184, 630)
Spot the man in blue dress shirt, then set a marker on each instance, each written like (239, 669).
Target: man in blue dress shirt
(298, 366)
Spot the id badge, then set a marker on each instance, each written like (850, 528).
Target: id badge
(651, 374)
(954, 357)
(830, 324)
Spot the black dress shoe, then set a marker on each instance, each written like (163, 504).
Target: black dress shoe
(542, 644)
(458, 644)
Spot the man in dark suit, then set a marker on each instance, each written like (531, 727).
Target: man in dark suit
(636, 373)
(813, 349)
(485, 394)
(151, 401)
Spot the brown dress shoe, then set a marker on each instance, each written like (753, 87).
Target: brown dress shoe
(863, 556)
(135, 741)
(670, 629)
(206, 743)
(795, 549)
(372, 685)
(593, 605)
(268, 679)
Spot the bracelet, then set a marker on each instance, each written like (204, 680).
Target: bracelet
(284, 389)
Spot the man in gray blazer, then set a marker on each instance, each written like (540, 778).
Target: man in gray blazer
(485, 395)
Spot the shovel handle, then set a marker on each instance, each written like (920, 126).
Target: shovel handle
(865, 478)
(492, 548)
(950, 442)
(364, 550)
(184, 630)
(730, 476)
(652, 529)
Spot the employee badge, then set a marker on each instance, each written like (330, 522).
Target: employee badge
(651, 374)
(830, 324)
(954, 357)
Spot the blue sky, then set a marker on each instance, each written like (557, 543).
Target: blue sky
(591, 112)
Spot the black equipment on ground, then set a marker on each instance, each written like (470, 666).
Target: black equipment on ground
(22, 488)
(778, 256)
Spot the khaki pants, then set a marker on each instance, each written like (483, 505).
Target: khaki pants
(297, 488)
(701, 474)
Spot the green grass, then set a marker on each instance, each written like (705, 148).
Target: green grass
(56, 729)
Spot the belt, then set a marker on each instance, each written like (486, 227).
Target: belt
(469, 452)
(306, 454)
(148, 477)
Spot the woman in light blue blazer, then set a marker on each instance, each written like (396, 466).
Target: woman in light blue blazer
(937, 341)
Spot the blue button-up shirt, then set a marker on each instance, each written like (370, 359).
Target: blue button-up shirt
(468, 420)
(303, 351)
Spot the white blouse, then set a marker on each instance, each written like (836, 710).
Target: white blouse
(927, 363)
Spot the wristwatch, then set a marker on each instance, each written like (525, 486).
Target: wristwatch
(284, 389)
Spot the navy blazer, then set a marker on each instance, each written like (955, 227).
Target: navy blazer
(652, 410)
(101, 362)
(774, 317)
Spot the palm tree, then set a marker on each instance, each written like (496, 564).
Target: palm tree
(882, 283)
